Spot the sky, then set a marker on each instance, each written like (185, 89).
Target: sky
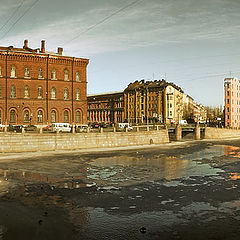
(193, 43)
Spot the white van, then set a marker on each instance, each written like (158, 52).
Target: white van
(183, 122)
(124, 126)
(62, 127)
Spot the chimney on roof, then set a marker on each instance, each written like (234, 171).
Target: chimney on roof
(43, 46)
(25, 44)
(60, 51)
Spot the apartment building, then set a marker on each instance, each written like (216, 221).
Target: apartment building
(232, 102)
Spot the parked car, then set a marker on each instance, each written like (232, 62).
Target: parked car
(81, 128)
(30, 128)
(94, 125)
(47, 128)
(14, 128)
(103, 125)
(124, 126)
(62, 127)
(183, 122)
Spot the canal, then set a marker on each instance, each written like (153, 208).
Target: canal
(187, 190)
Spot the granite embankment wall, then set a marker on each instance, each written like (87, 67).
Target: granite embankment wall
(17, 142)
(221, 133)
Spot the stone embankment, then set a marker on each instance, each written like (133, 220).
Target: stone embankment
(221, 133)
(26, 142)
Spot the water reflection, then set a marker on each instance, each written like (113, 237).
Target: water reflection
(56, 181)
(232, 151)
(109, 211)
(117, 169)
(234, 176)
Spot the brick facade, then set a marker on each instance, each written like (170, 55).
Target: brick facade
(28, 96)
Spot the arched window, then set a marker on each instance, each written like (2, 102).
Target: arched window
(65, 94)
(13, 72)
(40, 73)
(77, 77)
(12, 116)
(26, 116)
(53, 75)
(66, 116)
(77, 94)
(0, 71)
(13, 91)
(53, 116)
(0, 116)
(65, 75)
(26, 92)
(27, 74)
(53, 93)
(40, 116)
(40, 92)
(78, 117)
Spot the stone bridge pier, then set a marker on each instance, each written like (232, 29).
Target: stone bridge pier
(179, 129)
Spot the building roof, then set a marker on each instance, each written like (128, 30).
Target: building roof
(105, 94)
(151, 84)
(38, 51)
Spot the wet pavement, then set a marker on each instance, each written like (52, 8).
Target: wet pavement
(185, 191)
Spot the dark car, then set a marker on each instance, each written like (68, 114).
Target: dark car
(30, 128)
(95, 125)
(14, 128)
(103, 125)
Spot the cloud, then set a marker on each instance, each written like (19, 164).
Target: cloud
(148, 23)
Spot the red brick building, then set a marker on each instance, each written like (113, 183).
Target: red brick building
(39, 87)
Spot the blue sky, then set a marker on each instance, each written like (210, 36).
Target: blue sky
(192, 43)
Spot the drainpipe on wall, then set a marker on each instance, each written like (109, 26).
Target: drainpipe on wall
(47, 88)
(6, 120)
(72, 93)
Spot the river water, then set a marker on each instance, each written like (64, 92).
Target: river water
(186, 191)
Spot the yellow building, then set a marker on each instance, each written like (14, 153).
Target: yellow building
(155, 101)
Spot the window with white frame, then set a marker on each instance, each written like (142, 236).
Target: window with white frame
(77, 94)
(40, 116)
(77, 77)
(40, 73)
(53, 75)
(27, 73)
(13, 92)
(53, 93)
(12, 116)
(26, 116)
(78, 117)
(65, 94)
(13, 72)
(53, 116)
(26, 92)
(66, 116)
(65, 75)
(40, 92)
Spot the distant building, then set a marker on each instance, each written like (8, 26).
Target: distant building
(106, 107)
(39, 87)
(153, 101)
(232, 102)
(143, 102)
(199, 113)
